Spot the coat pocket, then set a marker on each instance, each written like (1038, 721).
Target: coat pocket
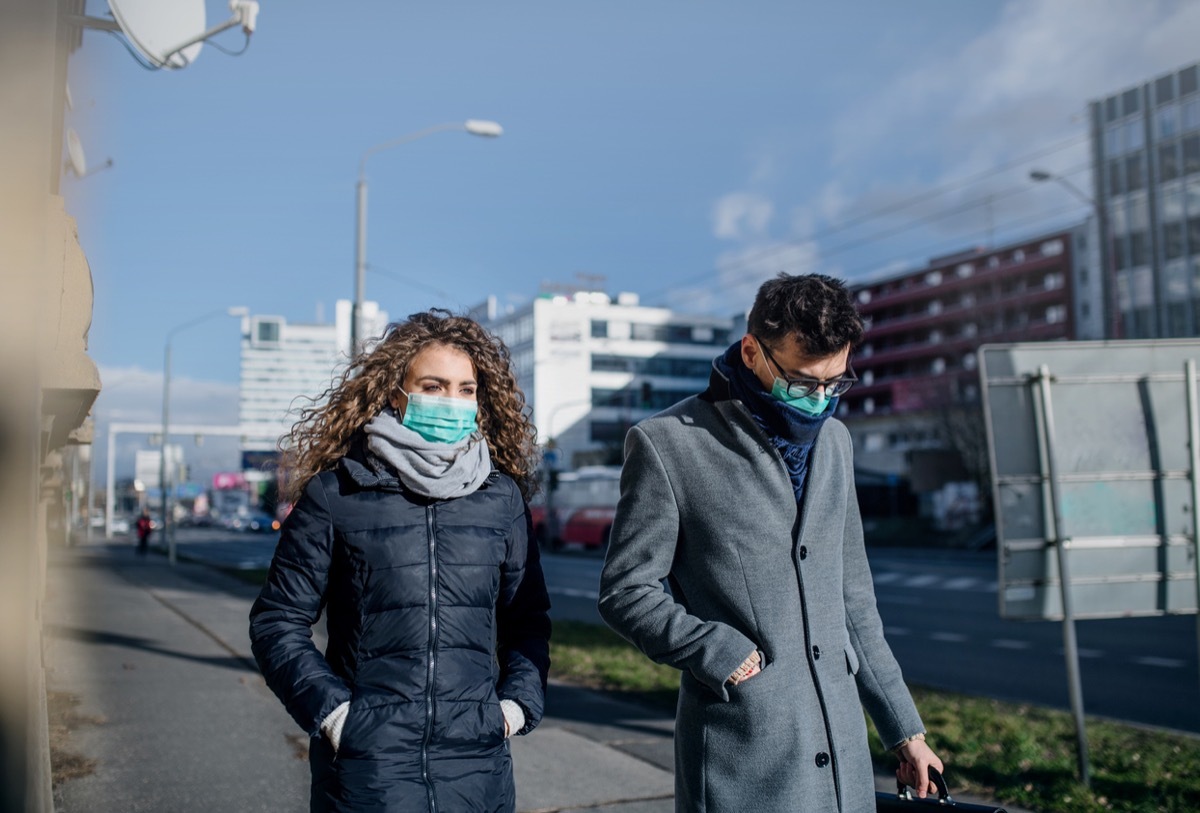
(851, 660)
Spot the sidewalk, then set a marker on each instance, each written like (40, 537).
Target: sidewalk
(175, 716)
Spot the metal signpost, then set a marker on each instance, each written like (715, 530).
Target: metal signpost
(1095, 462)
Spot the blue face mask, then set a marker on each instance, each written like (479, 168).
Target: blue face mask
(439, 419)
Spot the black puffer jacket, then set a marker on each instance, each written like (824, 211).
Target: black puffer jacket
(436, 611)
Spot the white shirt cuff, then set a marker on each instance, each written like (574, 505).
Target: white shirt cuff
(331, 726)
(514, 715)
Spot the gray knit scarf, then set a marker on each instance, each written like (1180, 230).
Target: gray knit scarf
(440, 471)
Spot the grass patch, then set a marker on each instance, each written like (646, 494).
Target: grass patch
(1019, 754)
(66, 764)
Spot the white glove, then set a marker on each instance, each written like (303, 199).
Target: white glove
(514, 716)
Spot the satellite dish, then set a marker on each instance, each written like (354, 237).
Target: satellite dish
(75, 157)
(157, 29)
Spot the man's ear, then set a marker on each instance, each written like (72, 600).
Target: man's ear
(750, 351)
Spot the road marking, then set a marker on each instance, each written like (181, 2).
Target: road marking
(991, 587)
(961, 583)
(571, 592)
(1166, 663)
(948, 637)
(1009, 643)
(896, 631)
(887, 578)
(923, 580)
(1084, 653)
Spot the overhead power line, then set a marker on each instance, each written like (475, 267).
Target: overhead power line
(873, 214)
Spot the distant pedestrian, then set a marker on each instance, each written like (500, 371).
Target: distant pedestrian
(743, 499)
(144, 527)
(411, 526)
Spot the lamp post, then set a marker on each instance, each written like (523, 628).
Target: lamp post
(478, 127)
(1106, 264)
(164, 522)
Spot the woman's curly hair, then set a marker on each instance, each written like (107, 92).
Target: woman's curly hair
(324, 430)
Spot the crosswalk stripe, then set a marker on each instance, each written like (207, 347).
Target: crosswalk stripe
(571, 592)
(887, 578)
(897, 631)
(1167, 663)
(961, 583)
(924, 580)
(948, 637)
(1008, 643)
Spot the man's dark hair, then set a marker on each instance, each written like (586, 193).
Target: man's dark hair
(816, 309)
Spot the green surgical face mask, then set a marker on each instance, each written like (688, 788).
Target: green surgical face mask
(812, 404)
(439, 419)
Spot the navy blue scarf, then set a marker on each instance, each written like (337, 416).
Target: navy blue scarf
(790, 431)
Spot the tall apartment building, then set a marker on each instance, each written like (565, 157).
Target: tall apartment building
(285, 363)
(917, 360)
(1146, 174)
(591, 367)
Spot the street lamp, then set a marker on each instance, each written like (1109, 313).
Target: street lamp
(478, 127)
(1106, 264)
(239, 312)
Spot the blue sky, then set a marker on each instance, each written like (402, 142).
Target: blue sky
(684, 150)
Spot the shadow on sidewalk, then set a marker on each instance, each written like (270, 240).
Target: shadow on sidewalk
(102, 638)
(152, 570)
(568, 704)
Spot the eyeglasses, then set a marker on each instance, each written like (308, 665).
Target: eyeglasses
(804, 385)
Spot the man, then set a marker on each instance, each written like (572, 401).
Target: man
(144, 527)
(743, 499)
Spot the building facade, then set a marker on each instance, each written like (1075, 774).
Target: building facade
(592, 366)
(1146, 175)
(916, 413)
(284, 365)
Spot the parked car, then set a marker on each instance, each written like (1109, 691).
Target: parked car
(257, 522)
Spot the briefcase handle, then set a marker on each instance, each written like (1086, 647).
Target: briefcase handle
(904, 792)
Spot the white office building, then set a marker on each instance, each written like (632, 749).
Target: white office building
(591, 367)
(284, 364)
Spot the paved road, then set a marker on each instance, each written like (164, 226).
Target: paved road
(940, 613)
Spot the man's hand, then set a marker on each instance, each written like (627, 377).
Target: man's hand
(749, 668)
(915, 759)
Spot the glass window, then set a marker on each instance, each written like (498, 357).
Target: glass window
(599, 329)
(1137, 248)
(1114, 178)
(608, 431)
(1133, 173)
(1187, 80)
(1191, 198)
(1135, 135)
(1130, 102)
(1118, 253)
(1177, 281)
(1173, 240)
(1191, 114)
(1172, 203)
(1191, 154)
(1168, 162)
(1164, 89)
(1118, 218)
(1193, 234)
(1167, 121)
(1111, 113)
(1112, 140)
(1139, 213)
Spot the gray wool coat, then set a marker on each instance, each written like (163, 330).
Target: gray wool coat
(706, 504)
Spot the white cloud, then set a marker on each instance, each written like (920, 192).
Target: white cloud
(134, 395)
(742, 215)
(739, 273)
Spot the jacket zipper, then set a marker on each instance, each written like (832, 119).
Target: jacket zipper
(431, 662)
(812, 666)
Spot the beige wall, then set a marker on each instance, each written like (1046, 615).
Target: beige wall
(48, 381)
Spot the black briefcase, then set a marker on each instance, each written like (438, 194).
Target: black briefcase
(904, 801)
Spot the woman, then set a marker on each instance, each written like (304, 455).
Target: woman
(410, 525)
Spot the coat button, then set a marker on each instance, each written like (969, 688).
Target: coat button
(822, 759)
(816, 653)
(803, 552)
